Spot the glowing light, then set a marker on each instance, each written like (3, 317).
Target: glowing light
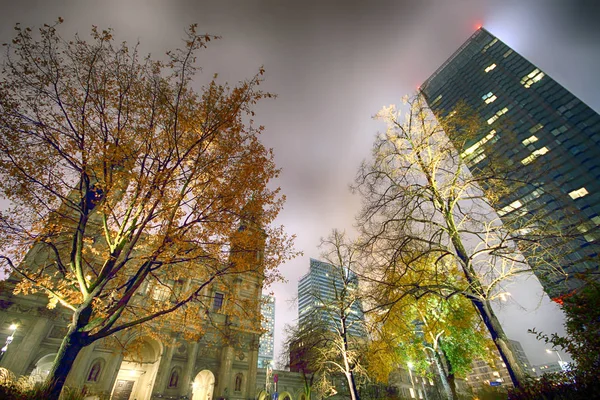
(13, 327)
(410, 365)
(132, 372)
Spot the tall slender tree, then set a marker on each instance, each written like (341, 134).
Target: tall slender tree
(422, 204)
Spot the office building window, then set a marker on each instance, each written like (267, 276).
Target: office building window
(534, 76)
(489, 97)
(534, 155)
(575, 194)
(529, 140)
(489, 68)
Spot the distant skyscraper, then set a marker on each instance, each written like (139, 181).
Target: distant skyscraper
(317, 290)
(521, 356)
(265, 350)
(549, 368)
(552, 136)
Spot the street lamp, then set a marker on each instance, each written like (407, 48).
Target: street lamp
(557, 353)
(9, 339)
(560, 360)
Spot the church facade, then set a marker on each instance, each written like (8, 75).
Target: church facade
(214, 360)
(172, 368)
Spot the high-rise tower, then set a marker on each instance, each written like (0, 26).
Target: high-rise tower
(267, 339)
(544, 131)
(320, 292)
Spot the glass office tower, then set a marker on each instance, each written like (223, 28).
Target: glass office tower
(267, 339)
(545, 132)
(318, 295)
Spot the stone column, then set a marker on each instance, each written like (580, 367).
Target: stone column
(252, 368)
(77, 376)
(113, 365)
(18, 359)
(188, 373)
(164, 368)
(227, 354)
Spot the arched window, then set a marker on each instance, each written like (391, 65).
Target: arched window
(95, 370)
(238, 382)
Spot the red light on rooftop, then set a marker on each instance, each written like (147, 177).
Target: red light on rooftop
(478, 26)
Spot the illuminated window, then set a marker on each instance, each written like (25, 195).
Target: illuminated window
(534, 155)
(531, 78)
(585, 227)
(477, 159)
(490, 44)
(489, 97)
(436, 99)
(536, 128)
(489, 68)
(529, 140)
(160, 292)
(497, 115)
(596, 220)
(533, 195)
(508, 53)
(515, 205)
(477, 145)
(575, 194)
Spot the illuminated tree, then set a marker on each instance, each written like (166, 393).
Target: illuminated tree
(122, 180)
(422, 328)
(424, 211)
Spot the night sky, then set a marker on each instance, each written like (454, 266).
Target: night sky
(333, 65)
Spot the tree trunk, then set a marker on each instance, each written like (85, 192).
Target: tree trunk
(452, 383)
(444, 373)
(449, 375)
(69, 349)
(484, 307)
(352, 386)
(517, 375)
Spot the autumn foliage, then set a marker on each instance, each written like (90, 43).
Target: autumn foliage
(121, 180)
